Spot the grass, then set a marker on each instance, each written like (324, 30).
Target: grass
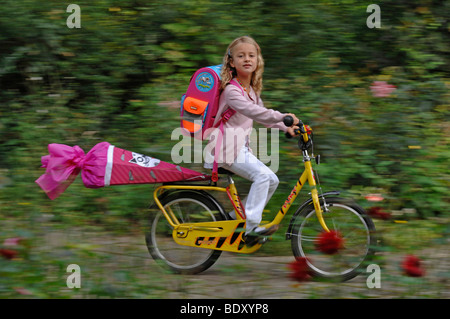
(111, 251)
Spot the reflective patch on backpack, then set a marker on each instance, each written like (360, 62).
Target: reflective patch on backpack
(204, 82)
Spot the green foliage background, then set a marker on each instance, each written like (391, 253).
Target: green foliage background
(118, 79)
(109, 81)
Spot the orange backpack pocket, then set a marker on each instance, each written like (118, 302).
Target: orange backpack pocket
(194, 111)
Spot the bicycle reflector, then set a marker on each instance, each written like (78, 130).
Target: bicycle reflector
(308, 129)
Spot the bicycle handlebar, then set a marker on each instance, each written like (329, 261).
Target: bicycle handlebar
(289, 121)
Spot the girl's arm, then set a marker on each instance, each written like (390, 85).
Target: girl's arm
(257, 112)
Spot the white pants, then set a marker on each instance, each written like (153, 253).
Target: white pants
(264, 184)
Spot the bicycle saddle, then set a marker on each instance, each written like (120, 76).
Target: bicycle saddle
(222, 170)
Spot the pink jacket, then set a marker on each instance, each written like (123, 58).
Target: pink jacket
(249, 108)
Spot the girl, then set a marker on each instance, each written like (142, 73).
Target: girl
(244, 64)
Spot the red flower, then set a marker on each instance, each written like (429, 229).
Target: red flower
(329, 242)
(374, 197)
(12, 241)
(22, 291)
(412, 266)
(8, 253)
(381, 88)
(377, 212)
(300, 269)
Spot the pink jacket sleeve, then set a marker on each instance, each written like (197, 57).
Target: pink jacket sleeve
(257, 112)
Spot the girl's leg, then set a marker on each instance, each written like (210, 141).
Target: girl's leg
(264, 184)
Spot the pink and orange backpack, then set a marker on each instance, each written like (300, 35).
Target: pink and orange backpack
(200, 104)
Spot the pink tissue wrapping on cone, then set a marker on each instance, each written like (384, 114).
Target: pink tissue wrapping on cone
(64, 163)
(106, 165)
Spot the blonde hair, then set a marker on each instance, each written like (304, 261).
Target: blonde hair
(228, 72)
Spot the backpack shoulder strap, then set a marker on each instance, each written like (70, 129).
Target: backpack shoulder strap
(234, 82)
(223, 119)
(225, 116)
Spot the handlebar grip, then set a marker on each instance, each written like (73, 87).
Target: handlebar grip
(304, 142)
(288, 120)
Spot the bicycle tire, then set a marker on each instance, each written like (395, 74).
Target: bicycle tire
(189, 206)
(356, 228)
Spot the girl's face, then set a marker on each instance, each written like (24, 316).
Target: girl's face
(245, 59)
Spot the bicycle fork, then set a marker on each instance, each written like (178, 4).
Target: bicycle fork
(306, 177)
(315, 195)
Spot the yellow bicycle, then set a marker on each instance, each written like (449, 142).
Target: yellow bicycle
(190, 228)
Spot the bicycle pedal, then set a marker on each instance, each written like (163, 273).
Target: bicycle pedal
(263, 240)
(251, 241)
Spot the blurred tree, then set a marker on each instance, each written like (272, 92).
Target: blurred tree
(117, 76)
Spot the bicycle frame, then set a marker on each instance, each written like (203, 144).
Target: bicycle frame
(228, 235)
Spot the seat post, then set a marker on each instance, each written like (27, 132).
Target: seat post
(230, 180)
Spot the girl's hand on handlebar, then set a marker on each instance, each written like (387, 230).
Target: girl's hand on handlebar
(293, 130)
(296, 120)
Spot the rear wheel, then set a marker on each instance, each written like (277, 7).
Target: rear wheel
(356, 229)
(188, 207)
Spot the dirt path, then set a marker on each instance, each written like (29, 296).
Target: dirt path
(268, 277)
(242, 276)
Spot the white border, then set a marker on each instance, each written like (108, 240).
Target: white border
(109, 165)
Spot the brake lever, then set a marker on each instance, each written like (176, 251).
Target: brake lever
(297, 132)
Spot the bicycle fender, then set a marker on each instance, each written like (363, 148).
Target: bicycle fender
(206, 194)
(302, 207)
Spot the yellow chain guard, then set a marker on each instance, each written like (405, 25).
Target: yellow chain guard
(219, 235)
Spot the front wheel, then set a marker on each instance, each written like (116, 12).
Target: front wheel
(354, 226)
